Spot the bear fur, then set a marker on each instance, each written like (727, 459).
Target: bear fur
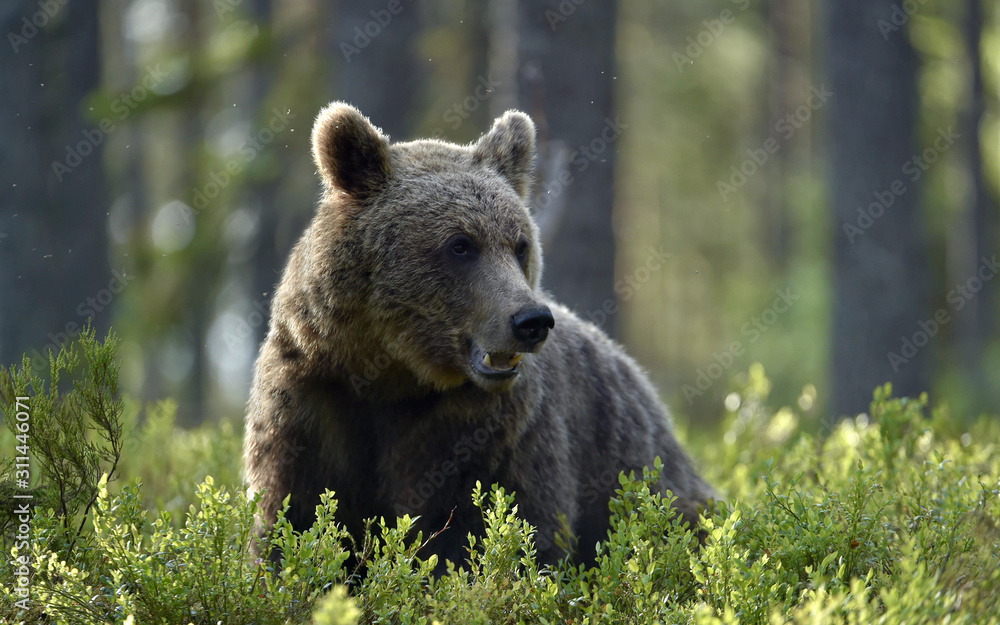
(423, 259)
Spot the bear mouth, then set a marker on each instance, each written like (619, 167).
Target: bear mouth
(494, 365)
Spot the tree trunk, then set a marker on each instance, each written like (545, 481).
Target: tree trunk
(789, 29)
(879, 259)
(502, 29)
(378, 67)
(270, 253)
(567, 71)
(977, 236)
(54, 271)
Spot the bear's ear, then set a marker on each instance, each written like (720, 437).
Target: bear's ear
(509, 148)
(351, 154)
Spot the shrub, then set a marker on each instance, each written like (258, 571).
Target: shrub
(887, 518)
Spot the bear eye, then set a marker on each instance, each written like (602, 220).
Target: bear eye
(461, 247)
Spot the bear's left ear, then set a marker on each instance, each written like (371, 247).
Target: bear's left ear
(509, 148)
(351, 154)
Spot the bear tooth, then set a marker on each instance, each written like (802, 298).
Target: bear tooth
(486, 360)
(516, 358)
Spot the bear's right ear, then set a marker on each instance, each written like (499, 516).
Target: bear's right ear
(509, 148)
(351, 154)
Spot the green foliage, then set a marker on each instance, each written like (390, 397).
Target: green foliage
(887, 518)
(335, 609)
(72, 437)
(168, 459)
(202, 572)
(643, 566)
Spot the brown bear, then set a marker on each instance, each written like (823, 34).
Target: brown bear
(411, 353)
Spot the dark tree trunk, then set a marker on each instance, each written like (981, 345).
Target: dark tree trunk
(789, 28)
(378, 67)
(54, 271)
(567, 71)
(204, 270)
(502, 26)
(879, 261)
(270, 250)
(974, 327)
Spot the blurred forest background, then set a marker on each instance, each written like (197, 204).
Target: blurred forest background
(811, 186)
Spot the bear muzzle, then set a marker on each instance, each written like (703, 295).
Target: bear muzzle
(529, 328)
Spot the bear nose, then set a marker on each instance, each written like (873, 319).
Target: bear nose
(531, 325)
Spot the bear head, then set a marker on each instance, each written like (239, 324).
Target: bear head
(434, 248)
